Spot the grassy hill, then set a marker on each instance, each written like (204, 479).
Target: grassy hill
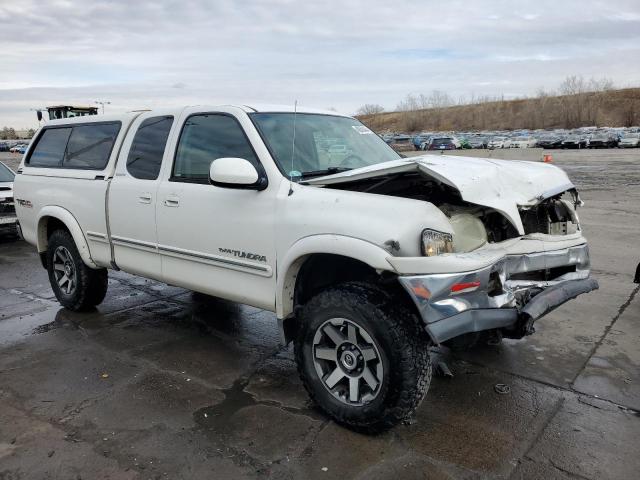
(612, 108)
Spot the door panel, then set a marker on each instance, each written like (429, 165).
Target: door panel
(216, 240)
(133, 196)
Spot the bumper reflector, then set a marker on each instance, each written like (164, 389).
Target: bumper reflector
(464, 287)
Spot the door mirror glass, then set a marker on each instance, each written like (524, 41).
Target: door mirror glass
(234, 172)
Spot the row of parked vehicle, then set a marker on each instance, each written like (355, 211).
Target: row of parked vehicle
(14, 147)
(580, 138)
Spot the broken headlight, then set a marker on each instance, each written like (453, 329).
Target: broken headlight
(469, 232)
(436, 243)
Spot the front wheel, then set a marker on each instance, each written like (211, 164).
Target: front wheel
(362, 357)
(76, 286)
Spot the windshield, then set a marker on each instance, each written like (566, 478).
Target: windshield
(323, 143)
(6, 175)
(632, 136)
(441, 141)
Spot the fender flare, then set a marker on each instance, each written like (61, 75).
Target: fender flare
(366, 252)
(66, 217)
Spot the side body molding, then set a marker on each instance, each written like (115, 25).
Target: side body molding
(288, 268)
(53, 211)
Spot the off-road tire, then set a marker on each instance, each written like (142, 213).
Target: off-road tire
(400, 338)
(91, 284)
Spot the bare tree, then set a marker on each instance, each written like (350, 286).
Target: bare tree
(370, 109)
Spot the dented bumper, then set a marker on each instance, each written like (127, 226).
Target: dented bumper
(511, 293)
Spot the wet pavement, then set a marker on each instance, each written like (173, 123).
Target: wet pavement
(159, 382)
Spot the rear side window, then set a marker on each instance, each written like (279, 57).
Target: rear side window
(205, 138)
(50, 148)
(89, 146)
(147, 148)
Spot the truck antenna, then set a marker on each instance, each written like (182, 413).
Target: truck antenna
(293, 147)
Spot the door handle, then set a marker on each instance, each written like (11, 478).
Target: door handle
(145, 198)
(172, 201)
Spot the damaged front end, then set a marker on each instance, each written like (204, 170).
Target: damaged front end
(523, 274)
(498, 296)
(515, 250)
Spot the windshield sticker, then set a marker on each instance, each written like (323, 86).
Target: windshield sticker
(361, 129)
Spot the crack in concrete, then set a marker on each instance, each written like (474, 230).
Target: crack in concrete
(607, 329)
(538, 435)
(565, 471)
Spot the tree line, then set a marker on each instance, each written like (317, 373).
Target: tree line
(9, 133)
(576, 102)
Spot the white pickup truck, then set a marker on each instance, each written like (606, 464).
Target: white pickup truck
(367, 258)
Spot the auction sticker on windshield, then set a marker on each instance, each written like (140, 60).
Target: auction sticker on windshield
(361, 129)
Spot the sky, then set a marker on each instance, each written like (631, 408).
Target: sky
(336, 54)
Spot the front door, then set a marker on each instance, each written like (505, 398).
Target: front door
(216, 240)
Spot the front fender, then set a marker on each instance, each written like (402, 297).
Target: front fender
(59, 213)
(373, 255)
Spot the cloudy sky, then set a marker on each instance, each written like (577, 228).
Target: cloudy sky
(328, 53)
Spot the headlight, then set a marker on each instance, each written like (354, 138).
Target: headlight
(436, 243)
(469, 232)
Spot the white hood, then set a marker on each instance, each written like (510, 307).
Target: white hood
(503, 185)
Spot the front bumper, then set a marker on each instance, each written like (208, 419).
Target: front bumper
(510, 294)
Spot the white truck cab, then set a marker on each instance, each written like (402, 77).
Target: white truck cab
(367, 258)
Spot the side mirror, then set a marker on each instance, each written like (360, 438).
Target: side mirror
(39, 115)
(232, 172)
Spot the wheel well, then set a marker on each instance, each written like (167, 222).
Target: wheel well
(47, 226)
(322, 270)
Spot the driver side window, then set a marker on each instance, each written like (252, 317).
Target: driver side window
(205, 138)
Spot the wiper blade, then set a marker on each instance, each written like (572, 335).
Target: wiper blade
(326, 171)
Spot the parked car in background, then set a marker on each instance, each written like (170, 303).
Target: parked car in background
(464, 143)
(520, 142)
(8, 219)
(550, 141)
(575, 141)
(442, 143)
(19, 148)
(478, 142)
(496, 142)
(418, 140)
(630, 140)
(603, 140)
(4, 147)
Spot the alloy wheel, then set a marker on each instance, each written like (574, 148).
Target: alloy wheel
(64, 270)
(347, 361)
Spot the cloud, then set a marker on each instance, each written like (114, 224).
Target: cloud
(331, 53)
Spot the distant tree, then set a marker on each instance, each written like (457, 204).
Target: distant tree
(370, 109)
(30, 133)
(7, 133)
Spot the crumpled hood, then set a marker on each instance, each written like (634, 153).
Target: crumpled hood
(499, 184)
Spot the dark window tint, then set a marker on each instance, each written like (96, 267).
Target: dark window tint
(205, 138)
(50, 148)
(90, 145)
(145, 155)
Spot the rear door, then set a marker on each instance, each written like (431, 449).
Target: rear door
(133, 195)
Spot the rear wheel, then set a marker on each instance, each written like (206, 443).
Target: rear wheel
(76, 286)
(362, 357)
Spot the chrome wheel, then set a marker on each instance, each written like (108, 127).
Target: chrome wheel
(347, 361)
(64, 270)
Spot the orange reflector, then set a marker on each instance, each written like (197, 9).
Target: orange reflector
(459, 287)
(547, 158)
(421, 291)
